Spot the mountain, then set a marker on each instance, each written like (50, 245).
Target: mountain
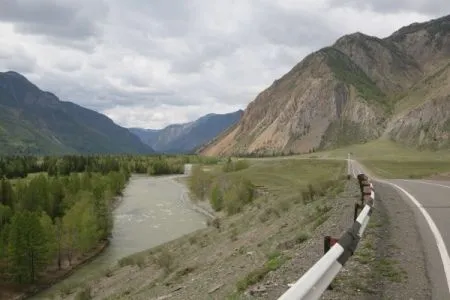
(33, 121)
(359, 89)
(186, 138)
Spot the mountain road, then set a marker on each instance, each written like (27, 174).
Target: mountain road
(430, 201)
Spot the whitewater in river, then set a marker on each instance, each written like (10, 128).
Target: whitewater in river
(153, 211)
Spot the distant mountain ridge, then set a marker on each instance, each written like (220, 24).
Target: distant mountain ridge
(33, 121)
(187, 137)
(359, 89)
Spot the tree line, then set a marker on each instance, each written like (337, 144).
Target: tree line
(54, 210)
(21, 166)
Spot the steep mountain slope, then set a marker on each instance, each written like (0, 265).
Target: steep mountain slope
(37, 122)
(356, 90)
(185, 138)
(423, 117)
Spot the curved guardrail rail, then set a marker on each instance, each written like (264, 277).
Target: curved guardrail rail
(319, 277)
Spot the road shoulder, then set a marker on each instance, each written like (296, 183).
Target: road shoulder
(400, 256)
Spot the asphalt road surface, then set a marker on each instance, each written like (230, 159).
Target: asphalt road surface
(430, 201)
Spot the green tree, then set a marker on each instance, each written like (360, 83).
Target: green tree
(49, 237)
(37, 194)
(59, 240)
(89, 233)
(27, 249)
(5, 215)
(70, 224)
(6, 193)
(56, 207)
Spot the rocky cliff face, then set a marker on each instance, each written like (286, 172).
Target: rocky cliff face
(423, 117)
(356, 90)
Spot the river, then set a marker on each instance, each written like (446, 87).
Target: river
(153, 211)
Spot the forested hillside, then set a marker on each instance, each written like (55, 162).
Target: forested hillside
(36, 122)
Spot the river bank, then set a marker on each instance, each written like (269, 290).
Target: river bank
(149, 213)
(60, 275)
(55, 275)
(203, 207)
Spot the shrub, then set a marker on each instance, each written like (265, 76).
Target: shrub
(238, 165)
(302, 237)
(199, 182)
(241, 165)
(132, 261)
(85, 294)
(192, 240)
(216, 197)
(214, 222)
(275, 261)
(284, 204)
(126, 261)
(165, 260)
(268, 213)
(234, 234)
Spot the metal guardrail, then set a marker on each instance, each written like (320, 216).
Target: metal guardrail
(319, 277)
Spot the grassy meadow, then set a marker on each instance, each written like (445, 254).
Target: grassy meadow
(389, 160)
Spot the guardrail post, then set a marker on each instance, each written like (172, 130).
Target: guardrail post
(355, 213)
(365, 189)
(328, 242)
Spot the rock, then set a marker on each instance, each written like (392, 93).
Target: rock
(257, 290)
(215, 288)
(177, 288)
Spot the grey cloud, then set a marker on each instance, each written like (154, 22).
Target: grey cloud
(17, 59)
(107, 96)
(207, 51)
(292, 28)
(270, 24)
(68, 66)
(19, 65)
(68, 20)
(174, 16)
(430, 7)
(136, 81)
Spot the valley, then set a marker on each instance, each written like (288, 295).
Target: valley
(229, 205)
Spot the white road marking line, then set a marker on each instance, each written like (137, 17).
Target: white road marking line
(426, 182)
(437, 235)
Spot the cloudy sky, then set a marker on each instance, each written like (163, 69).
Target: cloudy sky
(149, 63)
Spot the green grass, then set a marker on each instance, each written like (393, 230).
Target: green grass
(387, 159)
(383, 149)
(289, 181)
(275, 260)
(408, 169)
(286, 177)
(388, 268)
